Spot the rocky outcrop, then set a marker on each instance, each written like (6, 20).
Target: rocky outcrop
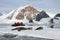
(57, 15)
(20, 16)
(41, 15)
(39, 28)
(11, 16)
(31, 21)
(22, 28)
(29, 12)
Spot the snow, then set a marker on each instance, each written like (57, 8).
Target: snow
(51, 14)
(50, 33)
(15, 11)
(45, 33)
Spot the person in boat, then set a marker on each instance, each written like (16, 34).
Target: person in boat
(18, 24)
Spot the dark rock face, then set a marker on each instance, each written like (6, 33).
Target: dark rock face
(39, 28)
(10, 17)
(57, 15)
(22, 28)
(52, 20)
(56, 18)
(31, 21)
(20, 16)
(41, 15)
(52, 26)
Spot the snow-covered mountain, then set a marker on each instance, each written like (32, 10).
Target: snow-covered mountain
(41, 15)
(24, 14)
(27, 12)
(19, 13)
(57, 15)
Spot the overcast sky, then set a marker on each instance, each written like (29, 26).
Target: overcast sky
(52, 6)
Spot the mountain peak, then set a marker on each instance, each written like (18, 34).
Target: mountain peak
(29, 11)
(28, 5)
